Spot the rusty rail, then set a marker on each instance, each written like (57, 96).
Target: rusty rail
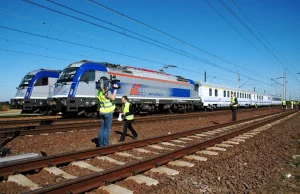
(31, 164)
(95, 180)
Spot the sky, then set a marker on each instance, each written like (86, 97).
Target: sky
(255, 40)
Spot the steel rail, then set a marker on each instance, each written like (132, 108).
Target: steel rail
(38, 163)
(47, 121)
(38, 129)
(95, 180)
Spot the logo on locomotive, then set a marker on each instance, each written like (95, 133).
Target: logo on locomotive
(144, 90)
(138, 90)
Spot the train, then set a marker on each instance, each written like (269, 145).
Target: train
(149, 91)
(34, 89)
(215, 96)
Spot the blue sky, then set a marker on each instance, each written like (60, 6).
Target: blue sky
(200, 32)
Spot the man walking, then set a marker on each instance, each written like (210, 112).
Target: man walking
(128, 114)
(233, 106)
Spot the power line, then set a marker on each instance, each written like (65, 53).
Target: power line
(32, 54)
(243, 23)
(96, 48)
(237, 30)
(60, 51)
(191, 56)
(255, 27)
(183, 54)
(169, 35)
(78, 44)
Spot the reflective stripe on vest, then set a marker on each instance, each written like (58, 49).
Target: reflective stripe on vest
(125, 109)
(106, 106)
(233, 101)
(283, 102)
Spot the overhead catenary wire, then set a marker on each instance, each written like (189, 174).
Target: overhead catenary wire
(190, 56)
(238, 31)
(56, 50)
(96, 48)
(174, 51)
(170, 36)
(33, 54)
(243, 23)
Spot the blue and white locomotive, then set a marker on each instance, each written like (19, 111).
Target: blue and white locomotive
(148, 91)
(34, 89)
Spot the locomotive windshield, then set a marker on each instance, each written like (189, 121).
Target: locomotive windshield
(25, 81)
(67, 75)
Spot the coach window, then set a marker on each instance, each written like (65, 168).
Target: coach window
(224, 93)
(256, 96)
(227, 93)
(210, 92)
(216, 92)
(88, 76)
(41, 82)
(235, 94)
(238, 95)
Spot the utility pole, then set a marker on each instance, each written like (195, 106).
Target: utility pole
(239, 79)
(284, 86)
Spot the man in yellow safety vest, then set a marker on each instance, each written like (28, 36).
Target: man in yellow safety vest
(107, 107)
(128, 114)
(233, 106)
(284, 104)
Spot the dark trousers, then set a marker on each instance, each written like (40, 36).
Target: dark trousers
(127, 124)
(233, 111)
(283, 107)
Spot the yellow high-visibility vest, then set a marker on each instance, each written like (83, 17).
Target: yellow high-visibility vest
(106, 105)
(125, 109)
(284, 102)
(233, 101)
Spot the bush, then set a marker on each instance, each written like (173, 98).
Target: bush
(4, 108)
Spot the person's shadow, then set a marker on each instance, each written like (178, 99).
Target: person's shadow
(95, 141)
(120, 133)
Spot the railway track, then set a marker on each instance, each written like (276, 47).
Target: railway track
(84, 124)
(45, 120)
(183, 144)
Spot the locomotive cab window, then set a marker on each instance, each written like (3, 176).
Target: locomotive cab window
(196, 87)
(41, 82)
(88, 76)
(210, 92)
